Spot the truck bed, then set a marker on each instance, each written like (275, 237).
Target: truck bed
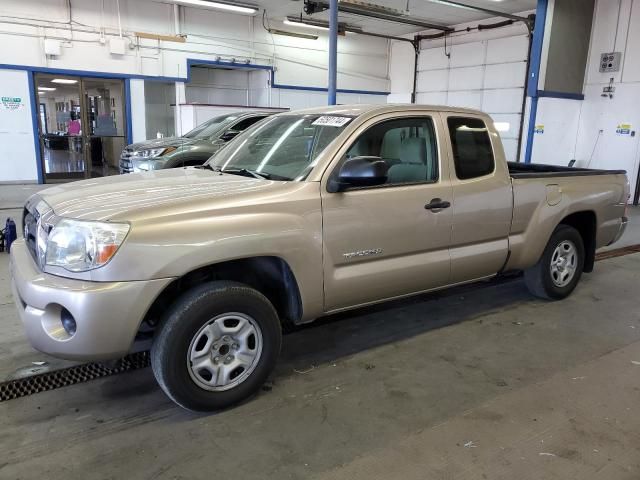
(537, 170)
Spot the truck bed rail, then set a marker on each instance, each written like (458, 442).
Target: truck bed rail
(537, 170)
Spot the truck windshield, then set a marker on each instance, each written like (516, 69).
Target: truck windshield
(211, 127)
(283, 147)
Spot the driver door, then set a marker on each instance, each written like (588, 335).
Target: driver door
(383, 242)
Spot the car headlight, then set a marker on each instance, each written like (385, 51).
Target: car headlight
(146, 165)
(79, 246)
(150, 153)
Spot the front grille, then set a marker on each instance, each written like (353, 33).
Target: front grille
(38, 220)
(126, 166)
(30, 229)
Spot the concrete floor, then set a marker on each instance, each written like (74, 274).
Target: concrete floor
(480, 382)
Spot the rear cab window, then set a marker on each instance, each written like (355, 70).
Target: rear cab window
(471, 146)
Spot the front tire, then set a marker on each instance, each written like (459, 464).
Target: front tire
(559, 269)
(216, 346)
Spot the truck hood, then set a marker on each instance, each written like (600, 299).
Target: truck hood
(121, 197)
(163, 142)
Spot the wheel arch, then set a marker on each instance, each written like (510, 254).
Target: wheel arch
(585, 222)
(270, 275)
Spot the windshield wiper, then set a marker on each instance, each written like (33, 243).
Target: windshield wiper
(245, 172)
(206, 166)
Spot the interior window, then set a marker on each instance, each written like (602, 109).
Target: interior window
(246, 123)
(472, 152)
(407, 145)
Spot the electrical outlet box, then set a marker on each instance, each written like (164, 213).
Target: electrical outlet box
(610, 62)
(116, 46)
(52, 47)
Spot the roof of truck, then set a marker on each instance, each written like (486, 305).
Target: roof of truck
(357, 110)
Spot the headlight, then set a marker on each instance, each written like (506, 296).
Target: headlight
(79, 246)
(146, 165)
(153, 152)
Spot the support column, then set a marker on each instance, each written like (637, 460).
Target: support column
(181, 98)
(333, 51)
(534, 71)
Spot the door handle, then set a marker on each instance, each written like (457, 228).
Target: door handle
(437, 204)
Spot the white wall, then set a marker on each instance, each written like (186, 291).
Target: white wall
(219, 87)
(482, 70)
(586, 130)
(210, 35)
(362, 61)
(138, 111)
(17, 152)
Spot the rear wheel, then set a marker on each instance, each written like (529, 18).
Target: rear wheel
(559, 269)
(216, 346)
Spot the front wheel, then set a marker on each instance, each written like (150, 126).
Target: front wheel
(558, 271)
(216, 346)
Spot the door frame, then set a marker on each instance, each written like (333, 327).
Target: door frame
(84, 117)
(33, 97)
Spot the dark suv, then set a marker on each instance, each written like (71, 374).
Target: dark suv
(194, 148)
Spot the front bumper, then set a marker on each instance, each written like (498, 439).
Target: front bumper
(107, 314)
(126, 163)
(621, 230)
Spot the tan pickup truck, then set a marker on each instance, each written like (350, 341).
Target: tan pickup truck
(304, 214)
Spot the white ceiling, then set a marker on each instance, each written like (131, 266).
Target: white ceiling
(422, 9)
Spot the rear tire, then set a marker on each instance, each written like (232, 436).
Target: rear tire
(559, 269)
(216, 346)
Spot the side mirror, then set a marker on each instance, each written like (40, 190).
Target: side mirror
(229, 135)
(360, 172)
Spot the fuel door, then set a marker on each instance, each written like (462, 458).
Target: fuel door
(554, 195)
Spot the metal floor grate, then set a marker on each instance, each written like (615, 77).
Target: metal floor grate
(69, 376)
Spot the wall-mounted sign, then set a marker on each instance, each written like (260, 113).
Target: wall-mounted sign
(623, 129)
(11, 103)
(539, 129)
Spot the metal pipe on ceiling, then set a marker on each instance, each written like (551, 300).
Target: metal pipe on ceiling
(312, 6)
(490, 11)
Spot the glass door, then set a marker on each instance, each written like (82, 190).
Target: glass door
(82, 126)
(60, 125)
(105, 132)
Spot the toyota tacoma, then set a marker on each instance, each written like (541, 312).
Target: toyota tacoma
(302, 215)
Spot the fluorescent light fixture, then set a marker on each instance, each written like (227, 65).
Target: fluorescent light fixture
(64, 81)
(229, 7)
(46, 89)
(454, 5)
(502, 126)
(307, 24)
(319, 24)
(286, 33)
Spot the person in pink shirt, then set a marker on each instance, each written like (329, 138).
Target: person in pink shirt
(74, 127)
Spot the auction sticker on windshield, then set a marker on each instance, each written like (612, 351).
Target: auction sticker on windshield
(329, 121)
